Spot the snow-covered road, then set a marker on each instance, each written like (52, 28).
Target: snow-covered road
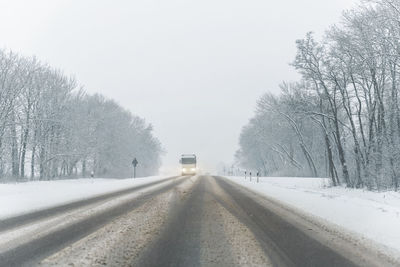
(21, 198)
(33, 239)
(183, 221)
(371, 215)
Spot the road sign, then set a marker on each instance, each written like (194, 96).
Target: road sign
(134, 162)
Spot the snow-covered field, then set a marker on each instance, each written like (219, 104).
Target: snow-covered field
(17, 199)
(374, 215)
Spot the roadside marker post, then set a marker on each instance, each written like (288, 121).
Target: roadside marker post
(258, 176)
(250, 176)
(245, 173)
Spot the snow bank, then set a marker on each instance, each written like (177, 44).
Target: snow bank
(20, 198)
(371, 214)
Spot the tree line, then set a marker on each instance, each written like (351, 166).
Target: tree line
(342, 118)
(51, 128)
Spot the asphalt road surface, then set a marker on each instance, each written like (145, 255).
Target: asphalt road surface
(182, 221)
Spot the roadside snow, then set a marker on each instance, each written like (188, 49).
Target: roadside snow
(20, 198)
(374, 215)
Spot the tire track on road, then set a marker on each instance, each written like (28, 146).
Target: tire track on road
(199, 233)
(31, 253)
(20, 220)
(277, 234)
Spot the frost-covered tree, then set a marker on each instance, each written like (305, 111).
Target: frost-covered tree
(347, 102)
(50, 128)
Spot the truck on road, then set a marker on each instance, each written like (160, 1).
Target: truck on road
(188, 162)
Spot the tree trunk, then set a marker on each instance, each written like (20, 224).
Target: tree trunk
(14, 148)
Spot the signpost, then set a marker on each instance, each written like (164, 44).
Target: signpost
(134, 163)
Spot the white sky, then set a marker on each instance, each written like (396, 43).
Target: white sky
(194, 69)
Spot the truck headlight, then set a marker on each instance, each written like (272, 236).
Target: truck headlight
(183, 169)
(193, 169)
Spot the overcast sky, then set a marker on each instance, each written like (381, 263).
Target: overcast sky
(194, 69)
